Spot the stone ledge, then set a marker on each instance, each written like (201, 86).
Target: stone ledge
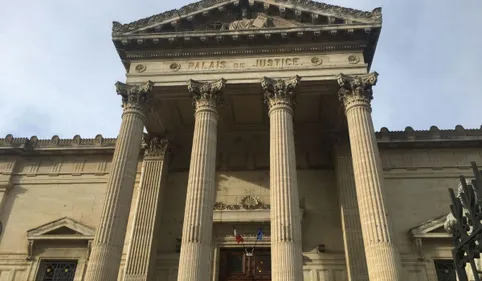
(384, 137)
(245, 215)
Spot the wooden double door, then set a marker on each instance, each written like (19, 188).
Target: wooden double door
(236, 264)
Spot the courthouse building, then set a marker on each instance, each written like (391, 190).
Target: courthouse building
(237, 114)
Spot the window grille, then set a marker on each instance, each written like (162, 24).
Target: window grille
(56, 270)
(445, 270)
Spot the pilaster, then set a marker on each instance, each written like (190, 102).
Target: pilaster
(350, 215)
(6, 184)
(383, 259)
(141, 256)
(195, 261)
(109, 239)
(286, 251)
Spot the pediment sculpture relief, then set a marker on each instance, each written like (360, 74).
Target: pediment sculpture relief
(247, 203)
(261, 21)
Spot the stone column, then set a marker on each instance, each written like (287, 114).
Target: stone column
(383, 259)
(195, 261)
(109, 238)
(141, 257)
(356, 263)
(286, 252)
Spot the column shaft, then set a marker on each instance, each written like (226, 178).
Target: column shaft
(350, 215)
(286, 247)
(195, 262)
(141, 257)
(109, 239)
(383, 259)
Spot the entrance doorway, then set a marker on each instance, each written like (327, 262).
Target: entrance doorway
(235, 264)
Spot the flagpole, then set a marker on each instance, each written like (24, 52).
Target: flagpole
(255, 242)
(236, 234)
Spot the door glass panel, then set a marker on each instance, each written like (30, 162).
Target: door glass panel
(235, 264)
(445, 270)
(262, 264)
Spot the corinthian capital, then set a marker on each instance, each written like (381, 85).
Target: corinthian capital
(279, 91)
(154, 146)
(206, 95)
(356, 89)
(134, 96)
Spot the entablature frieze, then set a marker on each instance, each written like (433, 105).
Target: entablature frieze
(317, 67)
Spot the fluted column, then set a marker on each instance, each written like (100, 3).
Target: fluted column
(383, 259)
(195, 260)
(110, 233)
(350, 215)
(286, 252)
(141, 257)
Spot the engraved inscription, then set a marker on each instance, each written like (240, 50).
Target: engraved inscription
(211, 65)
(281, 62)
(278, 62)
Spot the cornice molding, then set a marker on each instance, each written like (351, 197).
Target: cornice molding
(384, 136)
(231, 52)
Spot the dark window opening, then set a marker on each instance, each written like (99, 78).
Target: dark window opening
(56, 270)
(445, 270)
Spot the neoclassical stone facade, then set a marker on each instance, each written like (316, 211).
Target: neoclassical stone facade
(244, 114)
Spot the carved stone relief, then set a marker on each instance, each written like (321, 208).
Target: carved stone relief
(247, 203)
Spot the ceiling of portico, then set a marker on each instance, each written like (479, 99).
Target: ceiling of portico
(244, 110)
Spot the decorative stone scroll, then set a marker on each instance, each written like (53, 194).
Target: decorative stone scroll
(279, 91)
(356, 88)
(206, 95)
(247, 203)
(134, 96)
(154, 146)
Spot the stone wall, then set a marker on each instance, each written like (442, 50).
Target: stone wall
(46, 188)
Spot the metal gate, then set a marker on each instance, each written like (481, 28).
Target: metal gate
(466, 226)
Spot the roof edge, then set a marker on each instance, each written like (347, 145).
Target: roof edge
(384, 136)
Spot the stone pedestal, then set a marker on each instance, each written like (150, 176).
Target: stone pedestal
(141, 257)
(286, 252)
(350, 215)
(383, 259)
(110, 233)
(195, 261)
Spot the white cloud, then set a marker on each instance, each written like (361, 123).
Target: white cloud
(59, 65)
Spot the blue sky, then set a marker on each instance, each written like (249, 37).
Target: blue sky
(59, 65)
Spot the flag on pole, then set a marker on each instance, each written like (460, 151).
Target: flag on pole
(238, 237)
(259, 236)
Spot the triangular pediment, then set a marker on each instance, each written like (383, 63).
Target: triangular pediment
(235, 15)
(433, 228)
(64, 228)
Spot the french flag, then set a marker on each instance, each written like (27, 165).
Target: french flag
(238, 237)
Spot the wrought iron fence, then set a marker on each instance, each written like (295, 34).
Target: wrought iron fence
(466, 226)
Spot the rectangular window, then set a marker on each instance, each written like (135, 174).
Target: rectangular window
(56, 270)
(445, 270)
